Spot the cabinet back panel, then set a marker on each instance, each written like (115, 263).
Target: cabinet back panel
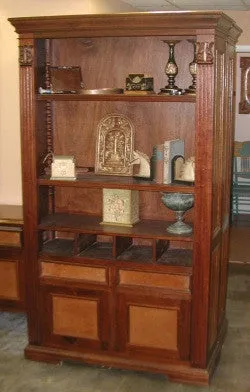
(105, 62)
(89, 201)
(75, 129)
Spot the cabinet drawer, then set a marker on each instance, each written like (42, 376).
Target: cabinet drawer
(149, 279)
(10, 238)
(75, 272)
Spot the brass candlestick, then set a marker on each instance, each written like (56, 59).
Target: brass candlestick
(193, 71)
(171, 71)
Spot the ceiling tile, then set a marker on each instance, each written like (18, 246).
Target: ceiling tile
(203, 3)
(211, 7)
(157, 8)
(146, 3)
(168, 5)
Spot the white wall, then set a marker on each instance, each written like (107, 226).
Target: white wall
(242, 19)
(10, 159)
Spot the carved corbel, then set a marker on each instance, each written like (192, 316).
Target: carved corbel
(26, 55)
(205, 52)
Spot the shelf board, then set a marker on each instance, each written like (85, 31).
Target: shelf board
(116, 97)
(77, 223)
(116, 182)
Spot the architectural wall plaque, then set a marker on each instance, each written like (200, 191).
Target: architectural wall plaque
(114, 146)
(244, 105)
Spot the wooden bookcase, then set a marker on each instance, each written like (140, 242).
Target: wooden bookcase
(136, 298)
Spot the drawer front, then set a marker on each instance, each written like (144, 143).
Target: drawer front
(10, 238)
(74, 272)
(161, 280)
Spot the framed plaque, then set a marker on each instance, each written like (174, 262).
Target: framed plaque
(244, 105)
(114, 146)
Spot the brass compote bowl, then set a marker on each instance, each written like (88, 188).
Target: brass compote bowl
(180, 203)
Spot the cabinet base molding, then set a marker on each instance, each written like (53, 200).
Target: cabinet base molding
(12, 306)
(181, 372)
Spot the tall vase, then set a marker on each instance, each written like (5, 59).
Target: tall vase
(171, 70)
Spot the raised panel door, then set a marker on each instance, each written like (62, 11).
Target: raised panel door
(153, 326)
(77, 319)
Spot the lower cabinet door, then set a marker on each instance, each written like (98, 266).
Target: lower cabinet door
(153, 326)
(11, 280)
(76, 319)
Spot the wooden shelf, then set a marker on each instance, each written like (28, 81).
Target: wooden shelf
(117, 97)
(115, 182)
(77, 223)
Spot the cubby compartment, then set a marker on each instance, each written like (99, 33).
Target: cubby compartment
(100, 248)
(63, 243)
(156, 251)
(116, 247)
(143, 251)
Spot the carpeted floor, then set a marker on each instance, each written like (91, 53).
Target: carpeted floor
(232, 374)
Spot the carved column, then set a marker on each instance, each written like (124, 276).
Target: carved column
(203, 196)
(28, 130)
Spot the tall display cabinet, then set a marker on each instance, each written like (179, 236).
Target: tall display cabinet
(129, 297)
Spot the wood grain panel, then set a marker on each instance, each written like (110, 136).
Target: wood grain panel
(223, 276)
(155, 120)
(147, 55)
(229, 135)
(9, 280)
(173, 282)
(214, 296)
(76, 317)
(10, 238)
(219, 136)
(152, 327)
(69, 271)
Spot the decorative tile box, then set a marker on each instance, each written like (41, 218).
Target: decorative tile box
(120, 207)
